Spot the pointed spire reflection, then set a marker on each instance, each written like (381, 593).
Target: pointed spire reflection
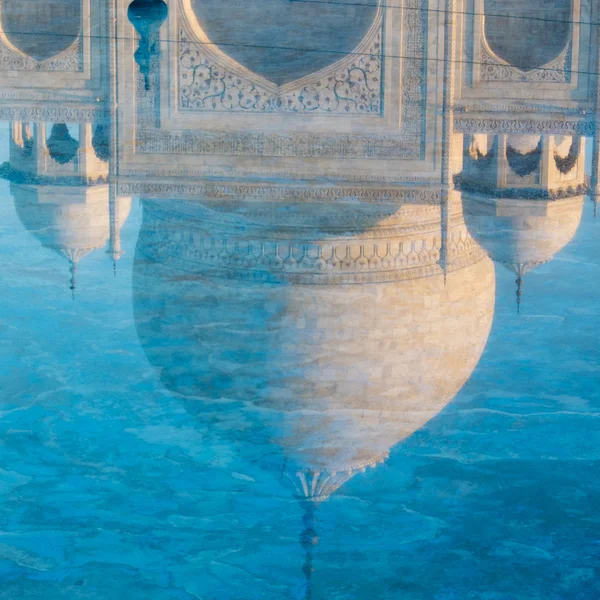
(308, 540)
(72, 281)
(519, 292)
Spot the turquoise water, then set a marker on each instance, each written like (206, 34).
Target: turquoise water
(113, 487)
(248, 354)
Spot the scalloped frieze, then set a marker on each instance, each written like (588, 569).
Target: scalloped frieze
(464, 124)
(336, 262)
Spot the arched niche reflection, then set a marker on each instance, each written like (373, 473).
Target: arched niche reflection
(40, 29)
(527, 35)
(282, 41)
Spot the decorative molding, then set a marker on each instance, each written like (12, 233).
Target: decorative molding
(493, 68)
(309, 145)
(344, 263)
(318, 485)
(476, 186)
(70, 60)
(358, 176)
(520, 107)
(259, 219)
(61, 114)
(206, 248)
(24, 178)
(463, 124)
(278, 193)
(347, 87)
(47, 96)
(525, 267)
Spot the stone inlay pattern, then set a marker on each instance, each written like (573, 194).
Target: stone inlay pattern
(556, 71)
(407, 144)
(352, 88)
(69, 61)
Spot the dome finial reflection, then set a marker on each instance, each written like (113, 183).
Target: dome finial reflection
(72, 280)
(308, 540)
(519, 292)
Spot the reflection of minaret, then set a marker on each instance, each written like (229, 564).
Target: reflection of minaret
(594, 190)
(522, 196)
(60, 192)
(114, 244)
(595, 175)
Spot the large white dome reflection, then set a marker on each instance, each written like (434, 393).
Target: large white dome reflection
(334, 348)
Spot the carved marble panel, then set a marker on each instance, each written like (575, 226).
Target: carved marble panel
(70, 61)
(493, 68)
(283, 40)
(41, 36)
(351, 88)
(211, 80)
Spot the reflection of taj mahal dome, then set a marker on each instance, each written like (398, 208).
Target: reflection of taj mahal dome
(314, 269)
(334, 347)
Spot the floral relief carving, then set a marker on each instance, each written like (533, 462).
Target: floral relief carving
(408, 143)
(302, 262)
(353, 88)
(69, 61)
(494, 69)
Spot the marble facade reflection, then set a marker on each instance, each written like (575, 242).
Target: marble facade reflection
(314, 274)
(347, 209)
(324, 215)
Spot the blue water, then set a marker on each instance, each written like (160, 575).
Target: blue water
(233, 409)
(112, 487)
